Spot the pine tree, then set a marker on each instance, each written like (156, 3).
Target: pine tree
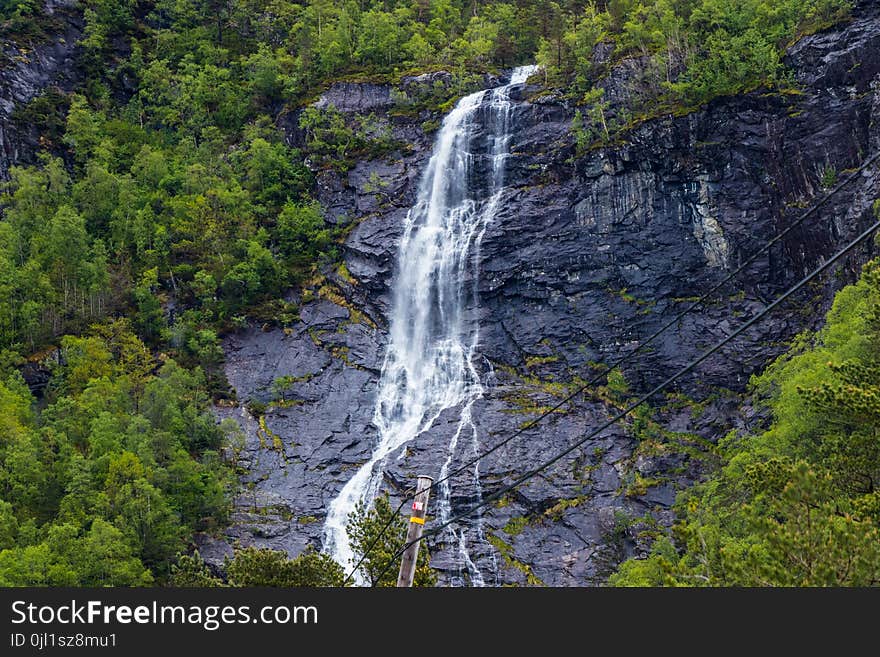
(366, 526)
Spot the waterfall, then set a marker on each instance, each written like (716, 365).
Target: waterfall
(433, 335)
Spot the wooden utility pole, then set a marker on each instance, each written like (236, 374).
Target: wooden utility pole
(414, 533)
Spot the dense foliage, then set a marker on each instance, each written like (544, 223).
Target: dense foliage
(139, 223)
(797, 505)
(103, 484)
(177, 184)
(687, 52)
(259, 567)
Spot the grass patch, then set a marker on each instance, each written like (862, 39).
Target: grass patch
(555, 512)
(537, 361)
(506, 551)
(515, 526)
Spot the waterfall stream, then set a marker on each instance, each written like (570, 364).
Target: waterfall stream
(433, 334)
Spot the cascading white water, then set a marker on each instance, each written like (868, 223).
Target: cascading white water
(433, 337)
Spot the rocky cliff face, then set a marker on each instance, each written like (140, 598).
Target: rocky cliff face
(26, 70)
(588, 256)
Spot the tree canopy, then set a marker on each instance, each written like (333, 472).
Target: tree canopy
(103, 484)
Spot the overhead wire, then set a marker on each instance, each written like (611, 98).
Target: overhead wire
(625, 357)
(641, 400)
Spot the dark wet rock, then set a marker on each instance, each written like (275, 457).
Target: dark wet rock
(26, 71)
(588, 256)
(357, 97)
(431, 79)
(664, 495)
(308, 443)
(36, 376)
(37, 373)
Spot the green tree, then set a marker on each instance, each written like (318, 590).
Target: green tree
(302, 232)
(190, 571)
(261, 567)
(108, 559)
(366, 526)
(84, 128)
(149, 319)
(281, 385)
(8, 526)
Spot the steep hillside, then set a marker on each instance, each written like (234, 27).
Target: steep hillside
(202, 215)
(590, 253)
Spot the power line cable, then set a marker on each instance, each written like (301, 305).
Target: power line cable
(622, 359)
(669, 381)
(642, 344)
(628, 355)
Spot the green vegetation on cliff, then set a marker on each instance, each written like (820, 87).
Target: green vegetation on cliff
(798, 504)
(166, 193)
(176, 184)
(377, 533)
